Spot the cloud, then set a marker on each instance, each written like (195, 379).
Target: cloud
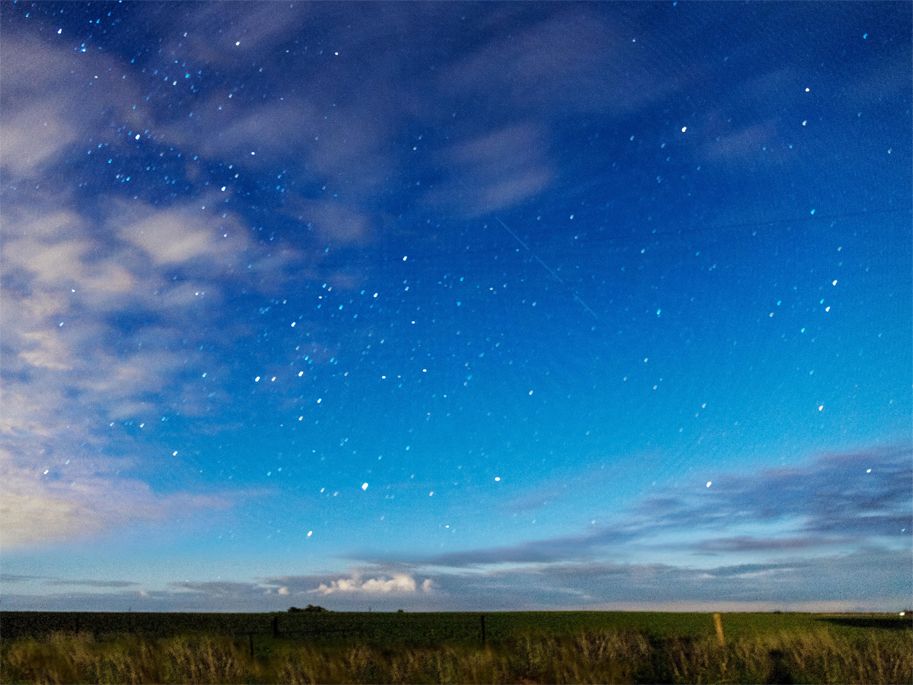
(107, 304)
(884, 83)
(575, 60)
(843, 500)
(398, 583)
(218, 588)
(748, 543)
(825, 579)
(93, 583)
(826, 583)
(37, 507)
(746, 143)
(494, 171)
(528, 73)
(538, 551)
(863, 494)
(256, 30)
(50, 101)
(21, 578)
(69, 368)
(179, 235)
(331, 222)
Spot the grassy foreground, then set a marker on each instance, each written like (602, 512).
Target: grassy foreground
(813, 653)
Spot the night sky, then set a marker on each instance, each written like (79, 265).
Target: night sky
(456, 306)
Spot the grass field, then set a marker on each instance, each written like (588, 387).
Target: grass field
(535, 647)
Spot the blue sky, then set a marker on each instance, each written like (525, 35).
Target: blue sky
(453, 306)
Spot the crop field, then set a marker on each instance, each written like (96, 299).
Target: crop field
(528, 647)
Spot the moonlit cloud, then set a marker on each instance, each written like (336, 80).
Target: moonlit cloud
(846, 499)
(398, 583)
(46, 109)
(495, 170)
(69, 369)
(66, 504)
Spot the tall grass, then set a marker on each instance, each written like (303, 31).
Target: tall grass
(820, 656)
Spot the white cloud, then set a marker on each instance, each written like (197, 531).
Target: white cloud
(495, 170)
(38, 507)
(182, 234)
(50, 100)
(332, 222)
(256, 28)
(397, 583)
(71, 272)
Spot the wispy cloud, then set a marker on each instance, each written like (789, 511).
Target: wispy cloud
(256, 29)
(50, 102)
(865, 495)
(573, 61)
(93, 583)
(108, 303)
(748, 543)
(331, 222)
(746, 143)
(71, 503)
(771, 584)
(537, 551)
(219, 588)
(105, 308)
(844, 500)
(494, 171)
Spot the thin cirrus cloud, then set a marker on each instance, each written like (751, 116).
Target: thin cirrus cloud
(176, 236)
(571, 62)
(750, 543)
(841, 500)
(307, 137)
(787, 582)
(93, 583)
(743, 143)
(861, 494)
(494, 171)
(331, 222)
(47, 110)
(38, 509)
(321, 133)
(338, 128)
(256, 28)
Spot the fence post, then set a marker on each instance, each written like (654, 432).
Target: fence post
(275, 626)
(718, 625)
(482, 622)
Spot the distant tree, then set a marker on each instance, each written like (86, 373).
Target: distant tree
(310, 608)
(400, 611)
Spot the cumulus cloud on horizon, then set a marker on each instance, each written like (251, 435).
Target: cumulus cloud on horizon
(397, 583)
